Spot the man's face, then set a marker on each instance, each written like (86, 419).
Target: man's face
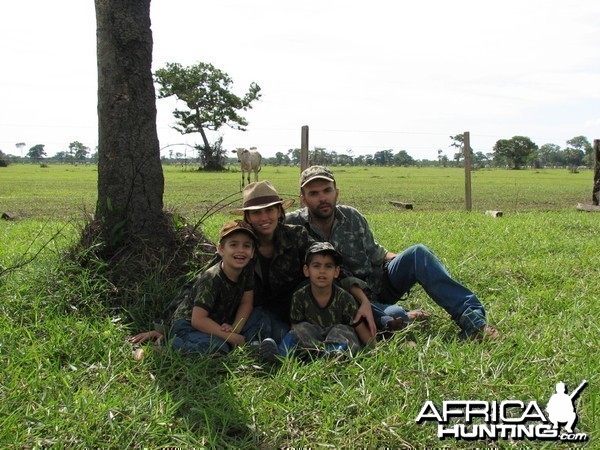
(320, 197)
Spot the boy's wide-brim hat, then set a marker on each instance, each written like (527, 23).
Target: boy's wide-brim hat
(234, 226)
(258, 195)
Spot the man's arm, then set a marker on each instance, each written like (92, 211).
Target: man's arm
(364, 311)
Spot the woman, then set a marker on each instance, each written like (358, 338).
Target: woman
(279, 257)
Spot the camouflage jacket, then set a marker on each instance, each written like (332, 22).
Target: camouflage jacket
(341, 308)
(363, 257)
(273, 290)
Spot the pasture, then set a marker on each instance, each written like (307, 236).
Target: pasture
(68, 379)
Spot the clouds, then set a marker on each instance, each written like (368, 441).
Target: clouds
(363, 75)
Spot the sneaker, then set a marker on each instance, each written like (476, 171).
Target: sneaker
(419, 315)
(267, 351)
(396, 324)
(485, 333)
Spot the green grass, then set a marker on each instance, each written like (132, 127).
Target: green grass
(68, 378)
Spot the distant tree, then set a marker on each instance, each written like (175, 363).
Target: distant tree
(206, 91)
(573, 157)
(345, 160)
(3, 159)
(479, 159)
(37, 152)
(549, 154)
(383, 157)
(60, 156)
(457, 142)
(281, 159)
(517, 151)
(294, 155)
(402, 158)
(581, 145)
(78, 151)
(213, 157)
(319, 157)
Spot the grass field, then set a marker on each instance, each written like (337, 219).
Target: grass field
(68, 378)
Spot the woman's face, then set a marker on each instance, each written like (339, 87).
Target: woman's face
(264, 220)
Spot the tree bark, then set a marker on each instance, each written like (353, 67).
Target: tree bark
(130, 176)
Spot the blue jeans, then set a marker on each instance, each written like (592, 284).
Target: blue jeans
(269, 325)
(417, 264)
(187, 339)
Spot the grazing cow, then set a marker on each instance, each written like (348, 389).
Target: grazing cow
(249, 161)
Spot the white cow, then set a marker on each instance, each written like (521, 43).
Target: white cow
(249, 162)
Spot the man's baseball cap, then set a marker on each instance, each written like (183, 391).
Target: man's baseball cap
(326, 248)
(236, 225)
(316, 172)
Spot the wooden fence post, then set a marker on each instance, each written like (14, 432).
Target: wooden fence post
(304, 148)
(596, 189)
(467, 155)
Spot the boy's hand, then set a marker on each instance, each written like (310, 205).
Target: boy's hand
(226, 328)
(147, 336)
(236, 339)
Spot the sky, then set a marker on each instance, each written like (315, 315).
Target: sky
(364, 76)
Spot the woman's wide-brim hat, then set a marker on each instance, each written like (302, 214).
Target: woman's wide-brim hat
(259, 195)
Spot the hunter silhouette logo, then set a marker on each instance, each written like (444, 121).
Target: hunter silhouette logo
(560, 406)
(507, 419)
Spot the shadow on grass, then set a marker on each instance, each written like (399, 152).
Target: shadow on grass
(207, 409)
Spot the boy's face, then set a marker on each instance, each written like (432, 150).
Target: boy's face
(320, 197)
(321, 270)
(236, 250)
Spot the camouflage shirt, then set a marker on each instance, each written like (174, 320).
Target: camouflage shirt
(351, 236)
(276, 278)
(217, 294)
(341, 308)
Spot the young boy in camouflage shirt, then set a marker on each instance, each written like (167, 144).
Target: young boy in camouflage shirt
(217, 316)
(322, 313)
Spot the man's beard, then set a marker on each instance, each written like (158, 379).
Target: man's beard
(323, 215)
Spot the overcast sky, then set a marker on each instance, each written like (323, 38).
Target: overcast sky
(364, 76)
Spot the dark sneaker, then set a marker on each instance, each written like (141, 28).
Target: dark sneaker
(485, 333)
(267, 351)
(396, 324)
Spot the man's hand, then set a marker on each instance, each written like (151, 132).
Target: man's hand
(366, 312)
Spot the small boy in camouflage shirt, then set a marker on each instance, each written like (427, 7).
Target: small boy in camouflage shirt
(217, 316)
(322, 313)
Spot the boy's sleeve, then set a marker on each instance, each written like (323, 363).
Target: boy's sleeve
(297, 307)
(249, 277)
(206, 290)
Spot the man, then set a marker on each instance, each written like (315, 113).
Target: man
(379, 275)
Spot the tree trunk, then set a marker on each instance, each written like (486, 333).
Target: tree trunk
(130, 176)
